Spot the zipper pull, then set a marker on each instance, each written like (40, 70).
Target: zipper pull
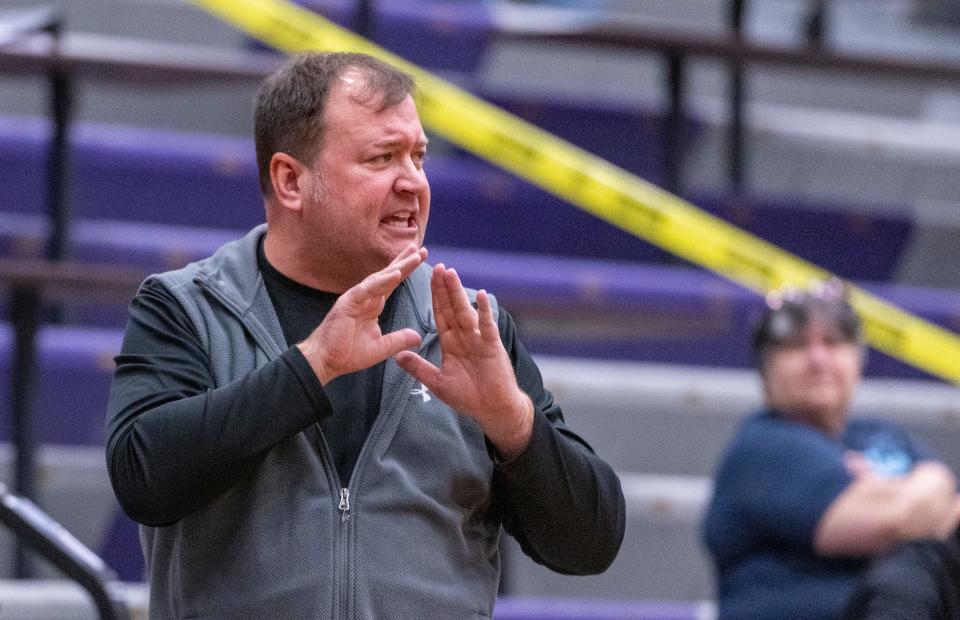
(344, 502)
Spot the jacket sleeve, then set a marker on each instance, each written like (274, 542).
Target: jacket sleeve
(176, 442)
(561, 501)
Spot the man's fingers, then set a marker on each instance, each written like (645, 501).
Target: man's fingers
(452, 308)
(408, 260)
(384, 281)
(409, 254)
(398, 341)
(442, 310)
(485, 316)
(404, 253)
(419, 368)
(381, 283)
(465, 315)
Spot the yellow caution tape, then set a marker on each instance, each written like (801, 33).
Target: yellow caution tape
(599, 187)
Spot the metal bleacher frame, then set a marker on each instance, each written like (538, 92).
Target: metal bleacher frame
(61, 549)
(676, 49)
(34, 43)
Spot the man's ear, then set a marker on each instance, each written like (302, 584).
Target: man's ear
(286, 177)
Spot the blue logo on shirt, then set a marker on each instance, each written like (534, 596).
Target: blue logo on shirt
(887, 457)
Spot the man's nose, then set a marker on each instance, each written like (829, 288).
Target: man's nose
(412, 179)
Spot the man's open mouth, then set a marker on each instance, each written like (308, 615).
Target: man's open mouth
(399, 220)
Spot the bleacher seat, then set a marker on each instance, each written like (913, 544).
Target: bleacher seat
(565, 306)
(144, 175)
(443, 35)
(574, 609)
(667, 314)
(136, 174)
(120, 548)
(629, 136)
(850, 242)
(74, 368)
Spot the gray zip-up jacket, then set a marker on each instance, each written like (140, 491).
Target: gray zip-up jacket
(414, 533)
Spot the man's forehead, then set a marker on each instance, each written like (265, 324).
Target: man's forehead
(351, 76)
(352, 94)
(388, 128)
(354, 85)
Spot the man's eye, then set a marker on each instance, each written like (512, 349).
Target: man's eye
(419, 158)
(385, 158)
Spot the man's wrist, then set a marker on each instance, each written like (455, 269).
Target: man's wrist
(515, 440)
(324, 374)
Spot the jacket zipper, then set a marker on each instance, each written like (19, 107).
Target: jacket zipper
(341, 574)
(387, 410)
(344, 507)
(343, 502)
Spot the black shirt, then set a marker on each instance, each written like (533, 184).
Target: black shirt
(354, 397)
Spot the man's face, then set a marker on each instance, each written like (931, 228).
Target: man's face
(812, 376)
(370, 197)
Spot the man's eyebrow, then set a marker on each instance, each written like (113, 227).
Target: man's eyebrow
(393, 142)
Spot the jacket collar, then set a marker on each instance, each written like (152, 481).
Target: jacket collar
(233, 273)
(233, 277)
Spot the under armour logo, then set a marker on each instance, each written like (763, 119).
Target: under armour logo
(421, 391)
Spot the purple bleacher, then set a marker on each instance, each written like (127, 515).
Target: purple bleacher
(120, 548)
(123, 173)
(74, 369)
(476, 205)
(154, 247)
(573, 609)
(437, 34)
(629, 136)
(654, 313)
(623, 310)
(200, 190)
(150, 247)
(197, 180)
(137, 174)
(852, 243)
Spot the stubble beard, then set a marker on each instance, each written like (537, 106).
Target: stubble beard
(364, 264)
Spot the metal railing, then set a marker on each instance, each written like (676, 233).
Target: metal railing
(734, 49)
(32, 43)
(30, 283)
(37, 530)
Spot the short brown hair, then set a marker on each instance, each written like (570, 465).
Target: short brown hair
(289, 105)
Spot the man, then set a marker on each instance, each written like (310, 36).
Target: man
(312, 422)
(805, 497)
